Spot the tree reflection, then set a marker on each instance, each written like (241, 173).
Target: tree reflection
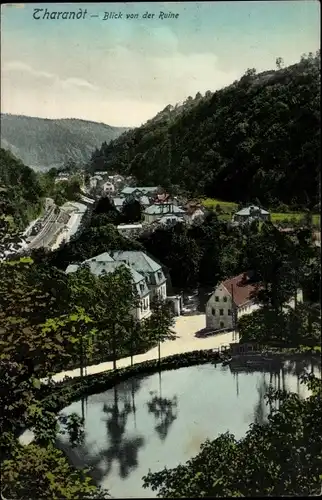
(259, 412)
(164, 411)
(121, 448)
(82, 456)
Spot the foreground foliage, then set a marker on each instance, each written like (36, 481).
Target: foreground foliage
(282, 457)
(44, 472)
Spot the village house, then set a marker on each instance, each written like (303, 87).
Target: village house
(158, 210)
(62, 177)
(232, 299)
(165, 198)
(248, 214)
(138, 191)
(104, 263)
(108, 187)
(194, 211)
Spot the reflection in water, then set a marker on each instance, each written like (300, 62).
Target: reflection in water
(164, 411)
(121, 448)
(137, 426)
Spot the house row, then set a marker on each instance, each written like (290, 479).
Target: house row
(232, 299)
(158, 207)
(147, 274)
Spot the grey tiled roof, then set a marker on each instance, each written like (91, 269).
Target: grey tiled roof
(103, 257)
(99, 267)
(118, 202)
(128, 190)
(145, 200)
(247, 210)
(142, 263)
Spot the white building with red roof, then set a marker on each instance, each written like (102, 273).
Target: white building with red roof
(232, 299)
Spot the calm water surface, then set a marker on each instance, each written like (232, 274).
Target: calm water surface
(161, 419)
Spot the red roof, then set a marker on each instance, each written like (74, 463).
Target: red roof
(241, 290)
(162, 197)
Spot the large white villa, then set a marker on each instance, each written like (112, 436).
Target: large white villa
(148, 276)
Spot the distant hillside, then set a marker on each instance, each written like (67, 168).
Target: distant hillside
(258, 138)
(42, 143)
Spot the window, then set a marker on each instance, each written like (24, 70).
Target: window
(225, 299)
(222, 324)
(221, 312)
(159, 275)
(213, 310)
(229, 312)
(217, 298)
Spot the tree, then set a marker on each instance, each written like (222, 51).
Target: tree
(279, 62)
(132, 211)
(118, 301)
(280, 458)
(160, 323)
(38, 472)
(241, 142)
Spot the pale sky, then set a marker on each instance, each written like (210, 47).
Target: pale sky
(124, 71)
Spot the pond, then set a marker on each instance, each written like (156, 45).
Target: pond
(161, 419)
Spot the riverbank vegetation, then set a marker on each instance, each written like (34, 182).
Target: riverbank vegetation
(281, 457)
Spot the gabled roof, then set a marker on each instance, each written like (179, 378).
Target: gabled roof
(248, 210)
(138, 259)
(148, 189)
(103, 257)
(240, 287)
(143, 264)
(144, 200)
(99, 267)
(162, 197)
(130, 190)
(118, 202)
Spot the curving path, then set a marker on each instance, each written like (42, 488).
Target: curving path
(185, 329)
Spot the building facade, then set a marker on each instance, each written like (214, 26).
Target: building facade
(158, 210)
(232, 299)
(108, 187)
(147, 267)
(104, 263)
(249, 214)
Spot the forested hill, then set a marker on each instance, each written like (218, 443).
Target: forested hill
(43, 143)
(259, 138)
(20, 192)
